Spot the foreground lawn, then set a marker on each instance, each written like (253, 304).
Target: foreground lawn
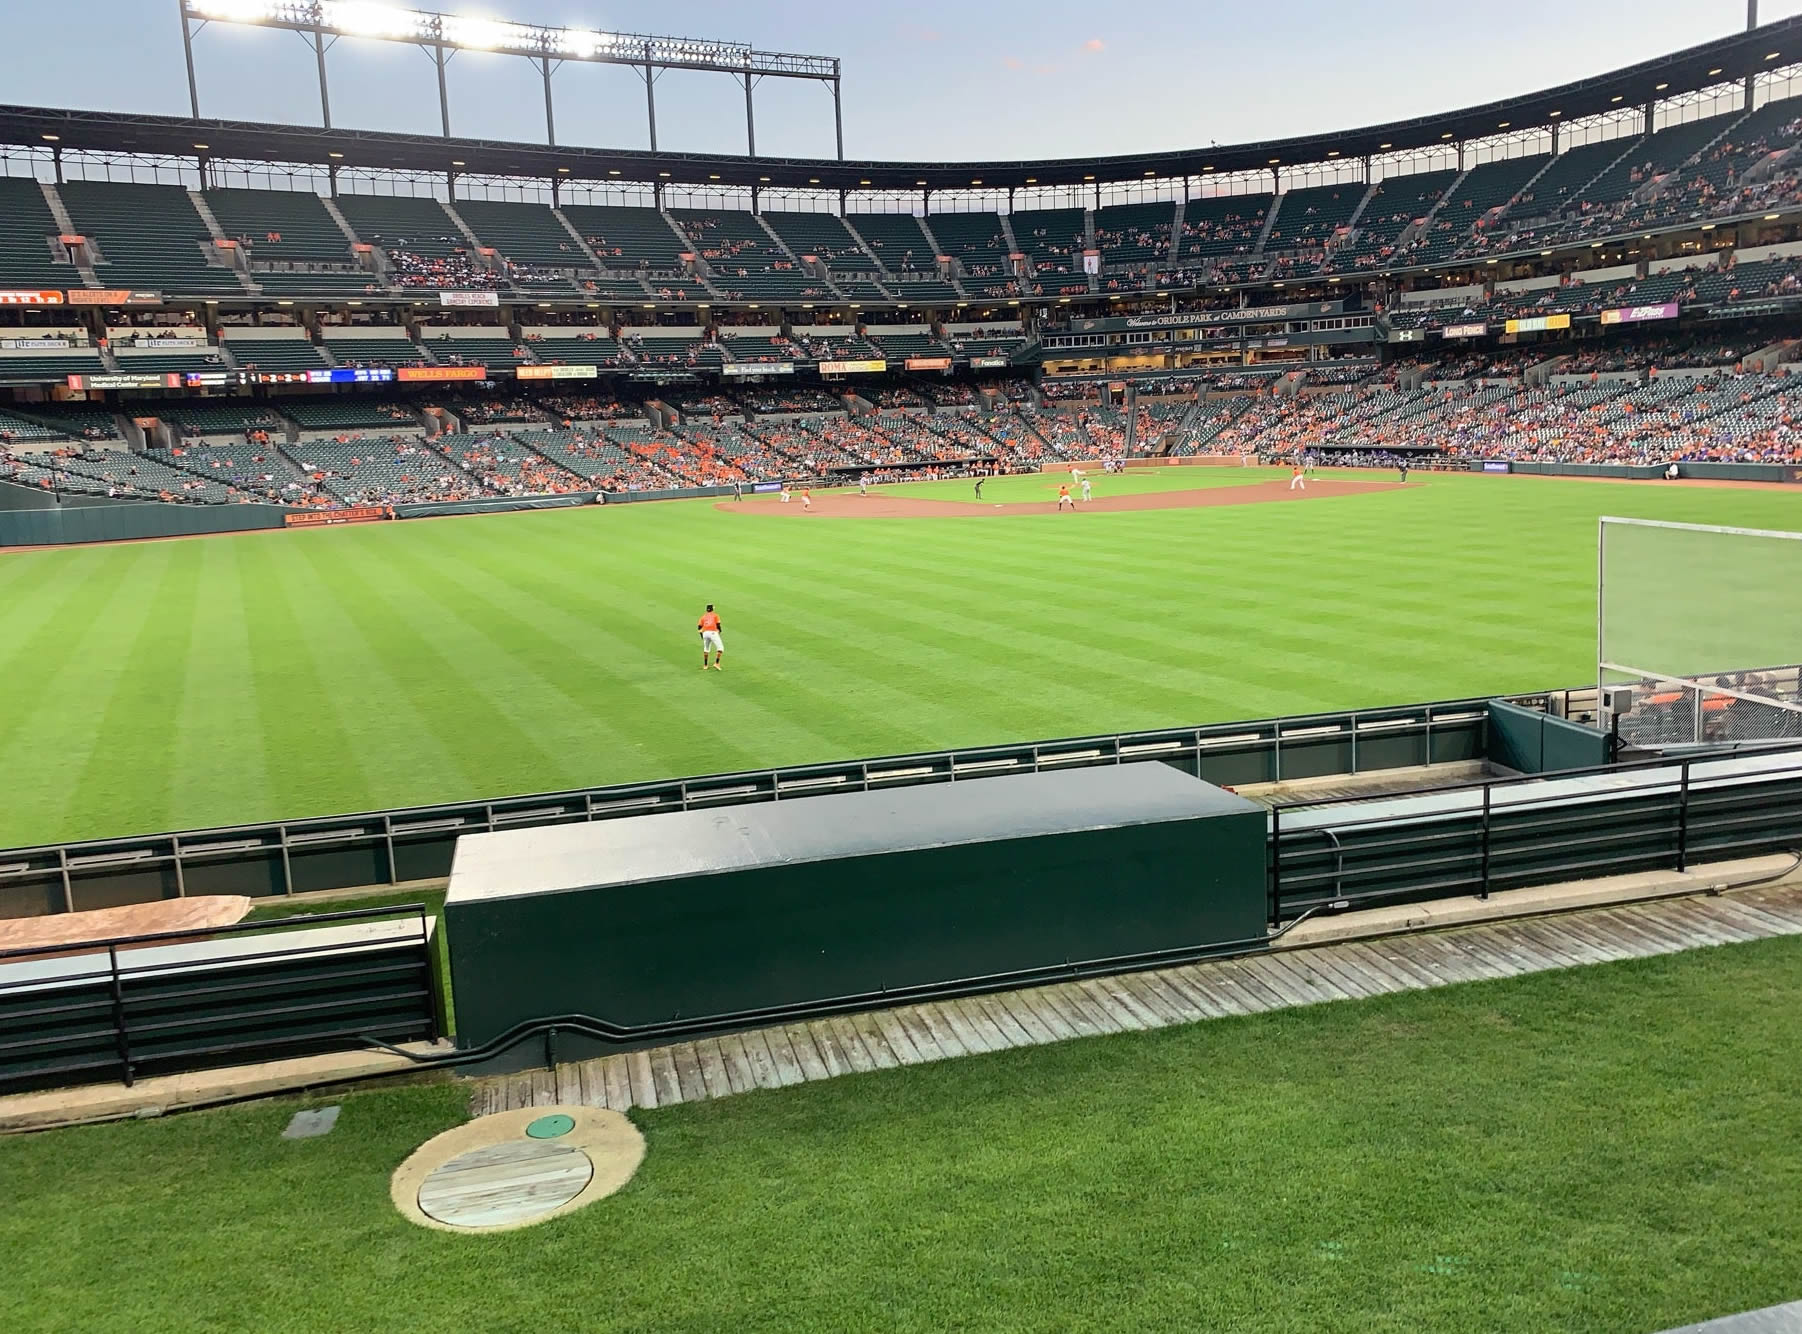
(185, 684)
(1610, 1149)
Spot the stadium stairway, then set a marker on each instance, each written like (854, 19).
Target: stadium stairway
(336, 214)
(60, 212)
(576, 238)
(1424, 224)
(476, 245)
(218, 234)
(1257, 247)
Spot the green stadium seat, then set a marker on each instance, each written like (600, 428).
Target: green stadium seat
(150, 237)
(27, 232)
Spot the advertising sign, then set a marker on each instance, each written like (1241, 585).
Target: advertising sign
(324, 518)
(758, 368)
(31, 298)
(852, 367)
(169, 381)
(441, 373)
(986, 363)
(469, 298)
(1537, 324)
(927, 363)
(1464, 331)
(1634, 314)
(112, 296)
(555, 372)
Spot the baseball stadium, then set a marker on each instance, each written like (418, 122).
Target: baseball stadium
(1245, 771)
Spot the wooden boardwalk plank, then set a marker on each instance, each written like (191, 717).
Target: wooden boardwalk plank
(808, 1057)
(975, 1024)
(994, 1007)
(789, 1070)
(1033, 1002)
(900, 1041)
(922, 1034)
(938, 1028)
(851, 1043)
(665, 1076)
(644, 1083)
(1095, 1006)
(875, 1041)
(617, 1076)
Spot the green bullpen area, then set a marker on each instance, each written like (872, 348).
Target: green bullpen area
(208, 682)
(1611, 1148)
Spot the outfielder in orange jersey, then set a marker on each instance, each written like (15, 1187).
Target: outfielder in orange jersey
(711, 640)
(1065, 500)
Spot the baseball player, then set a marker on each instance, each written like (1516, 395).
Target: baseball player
(711, 641)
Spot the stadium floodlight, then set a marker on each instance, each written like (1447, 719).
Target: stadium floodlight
(322, 22)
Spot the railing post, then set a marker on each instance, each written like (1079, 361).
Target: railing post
(281, 832)
(1483, 878)
(1683, 818)
(181, 884)
(1276, 865)
(120, 1037)
(1276, 753)
(1354, 748)
(388, 843)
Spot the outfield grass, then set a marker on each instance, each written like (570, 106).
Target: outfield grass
(182, 684)
(1611, 1148)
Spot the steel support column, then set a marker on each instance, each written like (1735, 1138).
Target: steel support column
(650, 94)
(187, 48)
(838, 114)
(550, 111)
(750, 120)
(441, 58)
(325, 99)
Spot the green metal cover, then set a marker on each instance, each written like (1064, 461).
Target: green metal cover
(713, 913)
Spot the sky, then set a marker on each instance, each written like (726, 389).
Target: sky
(923, 81)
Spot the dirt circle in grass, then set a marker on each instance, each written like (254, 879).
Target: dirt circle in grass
(493, 1175)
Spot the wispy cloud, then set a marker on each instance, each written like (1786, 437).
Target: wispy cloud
(914, 33)
(1013, 62)
(1094, 44)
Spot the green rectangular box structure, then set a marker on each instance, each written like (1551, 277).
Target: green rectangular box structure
(718, 914)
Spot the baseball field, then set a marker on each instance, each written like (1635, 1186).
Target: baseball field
(1604, 1148)
(206, 682)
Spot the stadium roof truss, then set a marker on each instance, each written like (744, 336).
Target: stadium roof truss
(1729, 60)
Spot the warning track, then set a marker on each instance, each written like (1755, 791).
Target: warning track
(847, 504)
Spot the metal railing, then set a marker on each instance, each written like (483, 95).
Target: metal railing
(382, 848)
(1481, 837)
(131, 1005)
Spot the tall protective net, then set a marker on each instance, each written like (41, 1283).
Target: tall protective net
(1704, 625)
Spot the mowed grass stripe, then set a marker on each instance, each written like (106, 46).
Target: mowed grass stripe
(458, 714)
(49, 753)
(220, 701)
(700, 707)
(310, 757)
(133, 741)
(546, 650)
(639, 694)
